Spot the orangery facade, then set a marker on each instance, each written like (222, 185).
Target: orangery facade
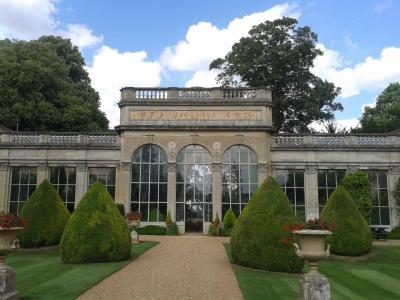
(196, 152)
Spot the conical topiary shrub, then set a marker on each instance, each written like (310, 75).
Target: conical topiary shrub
(46, 216)
(229, 219)
(351, 234)
(257, 238)
(96, 231)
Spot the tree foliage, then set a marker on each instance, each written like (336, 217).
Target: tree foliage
(279, 55)
(385, 116)
(359, 187)
(44, 86)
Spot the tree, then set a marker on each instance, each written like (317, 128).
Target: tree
(44, 86)
(279, 55)
(385, 116)
(359, 187)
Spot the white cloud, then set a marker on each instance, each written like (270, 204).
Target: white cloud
(112, 70)
(372, 104)
(82, 36)
(30, 19)
(341, 124)
(370, 75)
(203, 78)
(383, 5)
(205, 42)
(26, 19)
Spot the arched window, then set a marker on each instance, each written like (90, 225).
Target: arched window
(239, 178)
(149, 183)
(193, 186)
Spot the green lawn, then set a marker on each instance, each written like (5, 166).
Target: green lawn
(376, 278)
(42, 275)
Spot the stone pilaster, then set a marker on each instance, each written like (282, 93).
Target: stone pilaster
(122, 184)
(171, 189)
(81, 182)
(394, 176)
(41, 173)
(263, 171)
(4, 171)
(311, 193)
(217, 189)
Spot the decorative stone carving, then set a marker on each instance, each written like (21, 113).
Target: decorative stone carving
(195, 138)
(172, 146)
(311, 170)
(263, 167)
(150, 138)
(396, 170)
(171, 167)
(3, 166)
(217, 146)
(194, 115)
(124, 166)
(42, 166)
(216, 167)
(81, 168)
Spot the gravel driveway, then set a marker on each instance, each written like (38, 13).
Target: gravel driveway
(184, 267)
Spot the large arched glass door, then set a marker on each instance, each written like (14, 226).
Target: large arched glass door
(193, 187)
(149, 183)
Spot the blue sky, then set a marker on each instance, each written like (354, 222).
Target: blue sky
(171, 42)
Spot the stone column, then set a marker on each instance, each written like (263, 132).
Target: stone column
(81, 183)
(217, 189)
(171, 188)
(262, 172)
(394, 175)
(311, 193)
(4, 171)
(41, 173)
(122, 184)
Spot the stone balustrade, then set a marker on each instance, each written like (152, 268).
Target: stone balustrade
(62, 139)
(134, 93)
(332, 140)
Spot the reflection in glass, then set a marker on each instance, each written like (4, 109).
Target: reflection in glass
(23, 183)
(380, 197)
(64, 181)
(104, 175)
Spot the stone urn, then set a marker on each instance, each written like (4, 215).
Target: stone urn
(312, 247)
(8, 243)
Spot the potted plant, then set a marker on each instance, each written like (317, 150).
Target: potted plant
(133, 221)
(312, 244)
(10, 225)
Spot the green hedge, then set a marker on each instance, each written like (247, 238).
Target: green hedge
(46, 215)
(172, 229)
(152, 230)
(257, 238)
(351, 235)
(394, 234)
(121, 209)
(96, 231)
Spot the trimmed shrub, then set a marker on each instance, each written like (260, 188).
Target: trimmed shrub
(225, 232)
(46, 215)
(257, 240)
(351, 235)
(121, 209)
(96, 231)
(229, 220)
(152, 230)
(394, 234)
(359, 187)
(172, 229)
(212, 230)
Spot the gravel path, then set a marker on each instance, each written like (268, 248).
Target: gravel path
(184, 267)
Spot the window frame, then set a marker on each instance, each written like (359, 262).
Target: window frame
(31, 186)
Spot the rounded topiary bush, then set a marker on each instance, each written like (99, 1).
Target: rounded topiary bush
(257, 238)
(351, 234)
(96, 231)
(46, 215)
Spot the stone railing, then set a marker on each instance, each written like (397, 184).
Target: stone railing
(133, 93)
(335, 140)
(62, 139)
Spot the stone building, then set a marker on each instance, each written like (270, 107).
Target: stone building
(196, 152)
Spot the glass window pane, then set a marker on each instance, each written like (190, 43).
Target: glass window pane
(253, 174)
(153, 192)
(244, 174)
(321, 178)
(154, 154)
(135, 207)
(244, 155)
(382, 179)
(54, 175)
(331, 178)
(15, 175)
(299, 196)
(235, 173)
(180, 215)
(144, 177)
(385, 220)
(24, 176)
(162, 212)
(236, 209)
(136, 173)
(136, 156)
(375, 216)
(299, 179)
(111, 190)
(383, 197)
(290, 180)
(163, 173)
(179, 192)
(225, 193)
(144, 209)
(245, 193)
(153, 173)
(235, 193)
(290, 195)
(153, 216)
(144, 192)
(163, 193)
(145, 154)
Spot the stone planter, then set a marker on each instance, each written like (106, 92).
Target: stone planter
(7, 275)
(312, 247)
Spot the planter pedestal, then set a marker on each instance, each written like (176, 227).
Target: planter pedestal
(7, 282)
(313, 285)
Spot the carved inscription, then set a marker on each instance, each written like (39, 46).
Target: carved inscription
(196, 115)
